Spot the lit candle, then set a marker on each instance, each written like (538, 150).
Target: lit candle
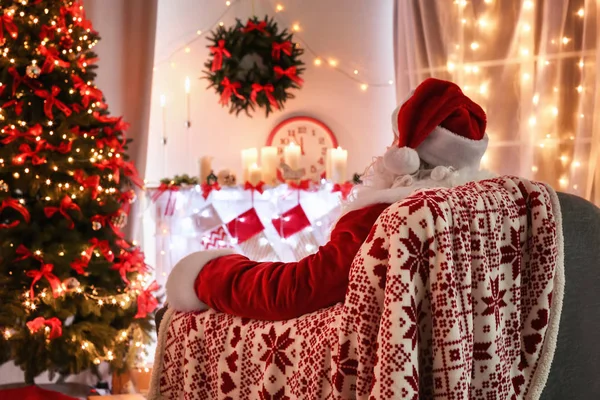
(187, 102)
(163, 106)
(249, 157)
(291, 156)
(269, 163)
(254, 174)
(205, 168)
(339, 160)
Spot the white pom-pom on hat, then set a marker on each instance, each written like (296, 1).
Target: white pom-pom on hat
(401, 160)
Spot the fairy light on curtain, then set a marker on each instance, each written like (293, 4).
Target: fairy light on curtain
(533, 67)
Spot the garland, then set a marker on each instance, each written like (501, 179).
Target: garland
(253, 65)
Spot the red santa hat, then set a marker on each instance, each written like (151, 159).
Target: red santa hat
(439, 125)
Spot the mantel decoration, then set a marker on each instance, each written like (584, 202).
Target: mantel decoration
(253, 65)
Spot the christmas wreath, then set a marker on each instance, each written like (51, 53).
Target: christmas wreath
(253, 65)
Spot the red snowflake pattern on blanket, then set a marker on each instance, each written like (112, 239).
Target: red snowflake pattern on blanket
(450, 297)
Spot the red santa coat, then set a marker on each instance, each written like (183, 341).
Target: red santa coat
(234, 284)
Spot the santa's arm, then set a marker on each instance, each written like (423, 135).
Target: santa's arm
(233, 284)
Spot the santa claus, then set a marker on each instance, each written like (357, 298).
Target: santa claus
(439, 139)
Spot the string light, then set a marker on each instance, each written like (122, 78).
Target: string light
(279, 8)
(581, 12)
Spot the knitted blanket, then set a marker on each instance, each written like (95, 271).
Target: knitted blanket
(456, 294)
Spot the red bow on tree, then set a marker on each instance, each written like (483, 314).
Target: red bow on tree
(28, 152)
(146, 302)
(52, 59)
(86, 91)
(80, 264)
(17, 104)
(91, 182)
(112, 143)
(229, 89)
(18, 79)
(66, 205)
(291, 73)
(83, 62)
(132, 261)
(103, 246)
(53, 323)
(14, 134)
(51, 101)
(106, 220)
(268, 89)
(117, 122)
(344, 189)
(286, 47)
(63, 147)
(219, 51)
(206, 189)
(45, 272)
(47, 32)
(6, 22)
(126, 198)
(251, 26)
(14, 204)
(24, 253)
(116, 164)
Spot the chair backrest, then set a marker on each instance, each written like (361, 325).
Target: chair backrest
(575, 372)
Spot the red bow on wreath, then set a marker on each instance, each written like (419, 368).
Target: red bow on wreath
(66, 205)
(52, 59)
(251, 26)
(286, 47)
(51, 101)
(219, 51)
(268, 89)
(259, 187)
(18, 207)
(28, 152)
(229, 88)
(53, 323)
(14, 134)
(146, 302)
(45, 272)
(291, 73)
(6, 22)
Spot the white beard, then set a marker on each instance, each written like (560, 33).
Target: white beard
(382, 186)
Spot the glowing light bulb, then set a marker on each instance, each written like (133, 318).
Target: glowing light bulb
(579, 89)
(534, 169)
(565, 40)
(317, 61)
(576, 164)
(532, 121)
(355, 72)
(228, 3)
(526, 27)
(528, 4)
(474, 46)
(450, 65)
(563, 182)
(187, 49)
(525, 76)
(364, 87)
(333, 63)
(581, 12)
(536, 98)
(198, 32)
(581, 64)
(279, 8)
(554, 111)
(296, 27)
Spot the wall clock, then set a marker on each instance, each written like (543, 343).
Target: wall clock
(314, 139)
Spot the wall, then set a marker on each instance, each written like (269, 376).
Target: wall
(357, 33)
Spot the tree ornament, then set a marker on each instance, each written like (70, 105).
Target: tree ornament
(96, 225)
(3, 186)
(120, 219)
(70, 284)
(33, 71)
(253, 65)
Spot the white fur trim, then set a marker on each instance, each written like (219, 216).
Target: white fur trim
(161, 343)
(538, 382)
(181, 294)
(444, 147)
(401, 160)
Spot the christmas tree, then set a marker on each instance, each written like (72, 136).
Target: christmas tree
(73, 292)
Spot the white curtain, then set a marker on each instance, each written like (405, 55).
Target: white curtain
(531, 64)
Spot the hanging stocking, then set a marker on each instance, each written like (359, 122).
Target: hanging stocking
(210, 226)
(294, 227)
(248, 231)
